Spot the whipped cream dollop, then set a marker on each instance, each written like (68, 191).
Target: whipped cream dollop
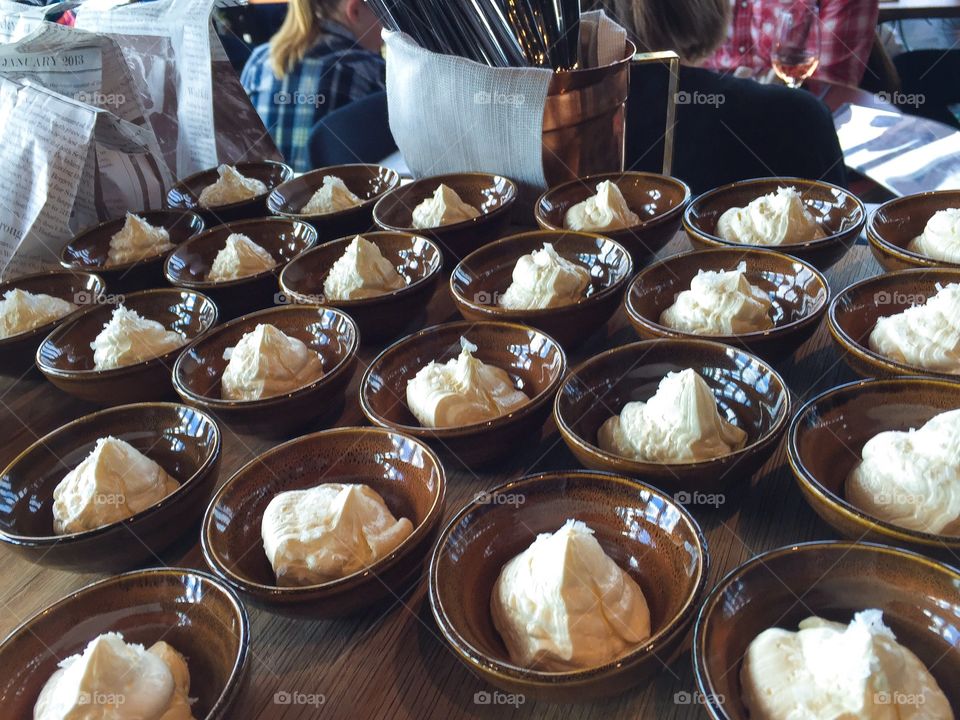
(564, 604)
(926, 335)
(240, 257)
(912, 479)
(720, 302)
(128, 338)
(333, 195)
(544, 279)
(680, 423)
(607, 210)
(830, 670)
(361, 272)
(940, 238)
(115, 680)
(136, 240)
(328, 532)
(778, 218)
(21, 310)
(267, 362)
(230, 187)
(444, 207)
(462, 391)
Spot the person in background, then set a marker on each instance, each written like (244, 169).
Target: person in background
(325, 55)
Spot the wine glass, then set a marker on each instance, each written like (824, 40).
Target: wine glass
(796, 46)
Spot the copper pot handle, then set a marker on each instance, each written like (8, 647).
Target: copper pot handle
(670, 58)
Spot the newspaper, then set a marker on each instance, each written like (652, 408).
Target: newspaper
(17, 19)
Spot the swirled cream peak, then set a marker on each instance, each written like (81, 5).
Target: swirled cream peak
(607, 210)
(830, 670)
(240, 257)
(721, 302)
(680, 423)
(361, 272)
(544, 279)
(267, 362)
(462, 391)
(926, 335)
(128, 338)
(564, 604)
(940, 238)
(136, 240)
(333, 195)
(328, 532)
(444, 207)
(21, 311)
(778, 218)
(230, 187)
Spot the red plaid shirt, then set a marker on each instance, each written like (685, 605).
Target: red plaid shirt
(847, 28)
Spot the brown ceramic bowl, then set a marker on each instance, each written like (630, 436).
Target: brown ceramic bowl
(183, 441)
(18, 351)
(799, 293)
(839, 212)
(404, 471)
(535, 362)
(88, 251)
(483, 276)
(897, 222)
(66, 358)
(920, 600)
(386, 316)
(659, 200)
(493, 195)
(367, 182)
(329, 332)
(854, 313)
(750, 394)
(826, 439)
(189, 265)
(647, 534)
(194, 612)
(185, 194)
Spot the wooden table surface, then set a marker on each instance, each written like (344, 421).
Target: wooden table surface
(392, 663)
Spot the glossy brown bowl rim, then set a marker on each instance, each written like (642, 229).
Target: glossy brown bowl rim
(394, 183)
(876, 238)
(420, 531)
(701, 673)
(116, 372)
(806, 479)
(509, 199)
(506, 670)
(376, 299)
(181, 185)
(849, 345)
(460, 431)
(214, 404)
(46, 328)
(746, 252)
(520, 315)
(645, 468)
(93, 418)
(237, 226)
(663, 217)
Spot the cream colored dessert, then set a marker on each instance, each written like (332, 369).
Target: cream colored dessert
(463, 391)
(720, 303)
(607, 210)
(940, 238)
(563, 604)
(444, 207)
(21, 311)
(136, 240)
(128, 338)
(267, 362)
(241, 257)
(680, 423)
(543, 279)
(229, 188)
(926, 335)
(328, 532)
(115, 680)
(361, 272)
(333, 195)
(845, 672)
(912, 479)
(778, 218)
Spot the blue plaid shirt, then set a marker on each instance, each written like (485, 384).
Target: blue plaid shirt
(334, 72)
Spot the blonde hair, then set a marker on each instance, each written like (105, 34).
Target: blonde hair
(299, 30)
